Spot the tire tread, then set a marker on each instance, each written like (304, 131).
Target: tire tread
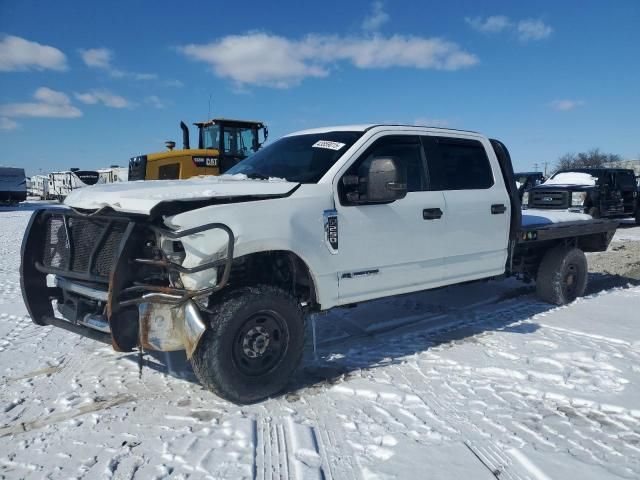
(550, 271)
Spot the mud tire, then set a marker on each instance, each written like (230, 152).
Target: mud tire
(562, 275)
(221, 362)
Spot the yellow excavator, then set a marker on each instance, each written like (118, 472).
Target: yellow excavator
(222, 143)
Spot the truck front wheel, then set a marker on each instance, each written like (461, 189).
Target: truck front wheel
(253, 344)
(562, 275)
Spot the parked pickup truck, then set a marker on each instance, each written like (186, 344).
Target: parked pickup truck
(600, 192)
(228, 268)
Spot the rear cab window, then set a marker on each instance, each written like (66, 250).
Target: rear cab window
(626, 180)
(457, 164)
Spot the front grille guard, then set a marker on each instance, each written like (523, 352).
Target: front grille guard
(85, 265)
(38, 295)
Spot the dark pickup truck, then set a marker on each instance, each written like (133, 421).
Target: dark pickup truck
(600, 192)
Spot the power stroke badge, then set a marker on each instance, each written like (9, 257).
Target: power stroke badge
(331, 230)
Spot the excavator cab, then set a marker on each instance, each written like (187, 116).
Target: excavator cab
(235, 140)
(222, 143)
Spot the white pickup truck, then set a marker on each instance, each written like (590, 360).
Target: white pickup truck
(228, 268)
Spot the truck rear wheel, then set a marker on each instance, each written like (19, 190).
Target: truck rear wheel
(253, 346)
(562, 275)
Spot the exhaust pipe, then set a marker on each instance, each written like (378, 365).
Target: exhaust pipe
(185, 135)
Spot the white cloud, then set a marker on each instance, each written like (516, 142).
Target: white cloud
(532, 29)
(256, 58)
(154, 101)
(492, 24)
(144, 76)
(104, 97)
(529, 29)
(7, 124)
(50, 103)
(566, 105)
(97, 57)
(376, 18)
(18, 54)
(273, 61)
(102, 59)
(431, 122)
(173, 83)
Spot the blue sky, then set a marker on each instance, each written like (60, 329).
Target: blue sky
(90, 84)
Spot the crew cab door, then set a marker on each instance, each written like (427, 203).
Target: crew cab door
(626, 183)
(392, 248)
(611, 202)
(478, 210)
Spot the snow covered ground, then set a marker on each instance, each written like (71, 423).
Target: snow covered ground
(472, 382)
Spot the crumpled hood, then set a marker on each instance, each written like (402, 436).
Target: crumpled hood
(141, 196)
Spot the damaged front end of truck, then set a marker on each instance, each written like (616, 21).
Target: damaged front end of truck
(120, 278)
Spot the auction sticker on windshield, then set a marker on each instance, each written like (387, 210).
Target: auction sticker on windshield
(328, 144)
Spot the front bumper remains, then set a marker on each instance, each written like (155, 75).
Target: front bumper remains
(79, 272)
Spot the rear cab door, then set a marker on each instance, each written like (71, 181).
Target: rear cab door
(477, 212)
(610, 194)
(626, 182)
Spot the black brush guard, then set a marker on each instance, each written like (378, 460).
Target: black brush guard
(100, 252)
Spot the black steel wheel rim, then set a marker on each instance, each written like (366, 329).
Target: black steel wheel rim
(260, 343)
(570, 281)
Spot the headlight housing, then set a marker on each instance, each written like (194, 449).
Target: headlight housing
(174, 251)
(578, 198)
(525, 199)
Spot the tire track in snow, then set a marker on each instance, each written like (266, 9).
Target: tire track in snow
(286, 449)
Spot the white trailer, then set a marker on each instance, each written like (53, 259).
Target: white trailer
(40, 186)
(113, 174)
(62, 184)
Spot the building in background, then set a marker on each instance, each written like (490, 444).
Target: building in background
(632, 164)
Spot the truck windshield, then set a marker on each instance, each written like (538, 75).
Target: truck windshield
(237, 142)
(300, 158)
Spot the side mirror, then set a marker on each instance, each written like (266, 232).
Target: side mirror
(385, 181)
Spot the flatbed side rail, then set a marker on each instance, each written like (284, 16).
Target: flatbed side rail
(555, 231)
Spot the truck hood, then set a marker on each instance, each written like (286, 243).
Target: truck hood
(142, 196)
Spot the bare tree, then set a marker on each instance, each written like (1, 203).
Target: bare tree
(594, 158)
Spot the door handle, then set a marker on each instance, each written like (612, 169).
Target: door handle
(498, 208)
(431, 214)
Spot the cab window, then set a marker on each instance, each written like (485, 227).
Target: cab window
(457, 164)
(405, 149)
(626, 180)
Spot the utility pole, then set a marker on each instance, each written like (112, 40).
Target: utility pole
(535, 167)
(546, 164)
